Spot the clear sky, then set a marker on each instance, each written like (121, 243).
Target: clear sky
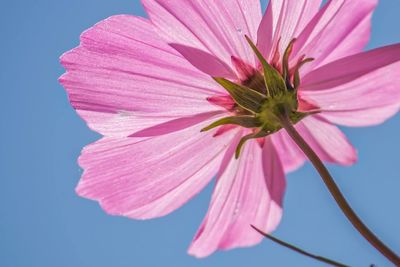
(43, 223)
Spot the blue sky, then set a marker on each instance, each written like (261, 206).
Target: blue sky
(44, 223)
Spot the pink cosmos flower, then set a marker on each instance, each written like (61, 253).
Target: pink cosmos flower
(147, 85)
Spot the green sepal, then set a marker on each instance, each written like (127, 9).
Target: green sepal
(273, 79)
(245, 97)
(244, 121)
(246, 138)
(285, 61)
(296, 78)
(295, 117)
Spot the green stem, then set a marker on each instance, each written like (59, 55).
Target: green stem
(299, 250)
(337, 195)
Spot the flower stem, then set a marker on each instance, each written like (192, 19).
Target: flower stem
(337, 195)
(299, 250)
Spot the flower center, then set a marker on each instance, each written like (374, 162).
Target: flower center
(263, 97)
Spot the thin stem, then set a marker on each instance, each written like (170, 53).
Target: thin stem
(337, 195)
(299, 250)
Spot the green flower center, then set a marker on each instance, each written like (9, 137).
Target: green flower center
(264, 97)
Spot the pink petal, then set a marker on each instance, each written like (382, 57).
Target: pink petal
(359, 90)
(224, 101)
(284, 20)
(243, 70)
(341, 28)
(276, 183)
(148, 178)
(330, 144)
(363, 117)
(248, 191)
(205, 62)
(123, 78)
(290, 154)
(208, 29)
(139, 124)
(225, 128)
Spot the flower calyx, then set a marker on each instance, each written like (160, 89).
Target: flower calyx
(260, 108)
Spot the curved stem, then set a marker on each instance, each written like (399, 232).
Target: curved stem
(337, 195)
(299, 250)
